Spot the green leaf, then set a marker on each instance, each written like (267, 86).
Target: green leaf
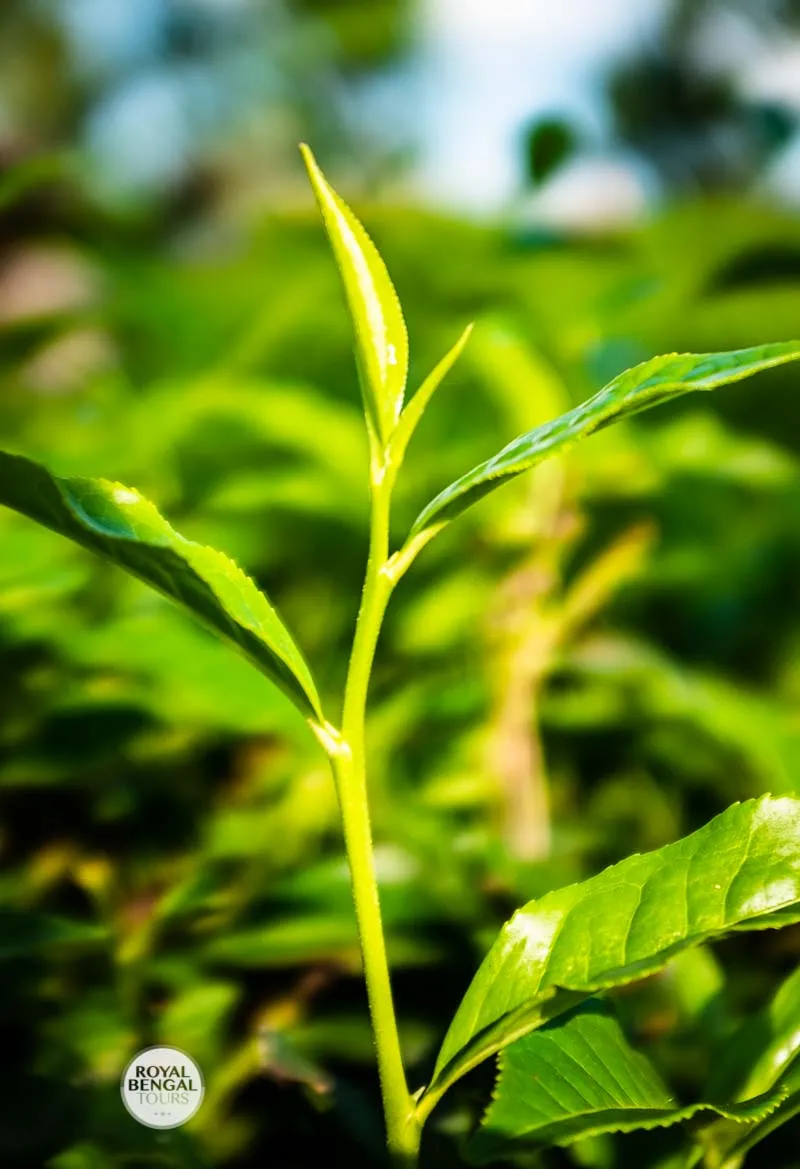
(725, 1144)
(413, 412)
(118, 524)
(380, 331)
(27, 933)
(751, 1061)
(740, 871)
(761, 1056)
(310, 938)
(578, 1077)
(649, 384)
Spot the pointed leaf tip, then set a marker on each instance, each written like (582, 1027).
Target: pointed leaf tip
(118, 524)
(381, 341)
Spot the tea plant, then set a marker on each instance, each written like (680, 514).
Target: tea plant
(566, 1070)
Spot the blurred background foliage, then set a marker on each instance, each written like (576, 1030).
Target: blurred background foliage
(591, 663)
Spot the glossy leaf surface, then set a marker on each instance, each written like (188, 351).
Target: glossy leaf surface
(649, 384)
(740, 871)
(380, 331)
(118, 524)
(578, 1077)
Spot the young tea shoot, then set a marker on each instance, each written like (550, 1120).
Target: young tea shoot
(566, 1069)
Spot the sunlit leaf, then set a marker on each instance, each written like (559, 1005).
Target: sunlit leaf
(649, 384)
(740, 871)
(380, 331)
(119, 525)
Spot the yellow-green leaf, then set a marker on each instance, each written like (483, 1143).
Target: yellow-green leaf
(380, 331)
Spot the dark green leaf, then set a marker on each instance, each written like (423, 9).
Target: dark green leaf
(118, 524)
(25, 933)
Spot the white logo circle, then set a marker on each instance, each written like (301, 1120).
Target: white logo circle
(162, 1087)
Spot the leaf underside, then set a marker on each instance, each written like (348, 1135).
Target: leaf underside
(118, 524)
(659, 380)
(740, 871)
(578, 1077)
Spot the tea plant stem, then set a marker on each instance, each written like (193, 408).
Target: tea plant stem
(349, 766)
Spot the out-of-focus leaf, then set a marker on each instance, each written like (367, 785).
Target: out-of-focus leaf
(96, 1030)
(634, 679)
(649, 384)
(26, 176)
(86, 1155)
(761, 1056)
(550, 143)
(380, 331)
(117, 523)
(170, 664)
(740, 871)
(578, 1077)
(194, 1018)
(25, 933)
(281, 1060)
(752, 1059)
(219, 430)
(310, 938)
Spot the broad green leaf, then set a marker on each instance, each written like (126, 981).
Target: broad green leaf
(578, 1077)
(740, 871)
(118, 524)
(649, 384)
(380, 331)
